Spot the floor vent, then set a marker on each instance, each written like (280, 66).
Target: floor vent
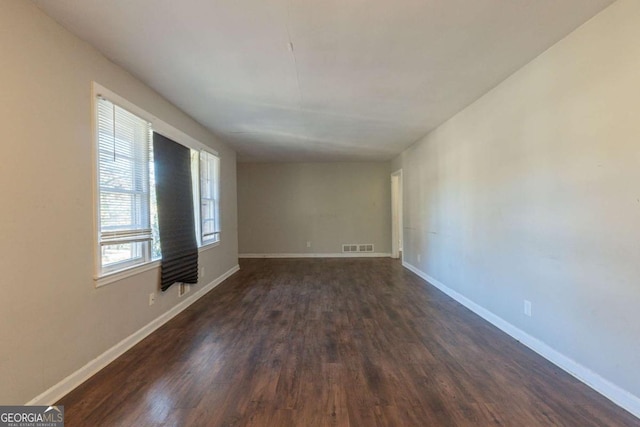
(357, 247)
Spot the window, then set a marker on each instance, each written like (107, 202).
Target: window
(127, 219)
(209, 198)
(124, 187)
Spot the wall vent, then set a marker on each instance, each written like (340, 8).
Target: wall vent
(357, 247)
(183, 288)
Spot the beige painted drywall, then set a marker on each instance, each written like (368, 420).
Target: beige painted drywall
(533, 192)
(281, 206)
(52, 318)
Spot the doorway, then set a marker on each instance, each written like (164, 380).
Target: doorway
(396, 214)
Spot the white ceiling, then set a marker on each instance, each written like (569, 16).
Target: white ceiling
(365, 78)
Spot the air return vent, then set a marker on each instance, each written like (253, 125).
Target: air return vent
(357, 247)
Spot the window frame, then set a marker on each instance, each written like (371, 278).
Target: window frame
(127, 268)
(142, 247)
(215, 199)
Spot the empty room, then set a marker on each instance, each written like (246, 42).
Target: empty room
(320, 213)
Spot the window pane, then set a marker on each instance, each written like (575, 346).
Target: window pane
(156, 249)
(119, 254)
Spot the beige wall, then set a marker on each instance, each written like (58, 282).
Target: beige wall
(533, 192)
(281, 206)
(52, 318)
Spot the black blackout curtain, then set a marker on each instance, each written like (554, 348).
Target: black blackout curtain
(176, 222)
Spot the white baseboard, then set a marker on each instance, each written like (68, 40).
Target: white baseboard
(320, 255)
(616, 394)
(55, 393)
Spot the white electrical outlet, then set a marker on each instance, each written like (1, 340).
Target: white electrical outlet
(419, 257)
(152, 298)
(527, 308)
(308, 244)
(201, 271)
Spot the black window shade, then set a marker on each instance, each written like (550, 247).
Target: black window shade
(172, 165)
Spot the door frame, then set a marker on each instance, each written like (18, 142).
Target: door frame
(396, 214)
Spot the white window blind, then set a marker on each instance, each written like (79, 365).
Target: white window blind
(209, 197)
(123, 180)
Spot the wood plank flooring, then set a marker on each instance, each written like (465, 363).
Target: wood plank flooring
(333, 342)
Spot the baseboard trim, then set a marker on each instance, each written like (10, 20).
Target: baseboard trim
(320, 255)
(55, 393)
(614, 393)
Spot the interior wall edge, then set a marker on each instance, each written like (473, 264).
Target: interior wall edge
(611, 391)
(56, 392)
(318, 255)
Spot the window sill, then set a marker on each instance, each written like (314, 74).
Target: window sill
(137, 269)
(123, 274)
(208, 246)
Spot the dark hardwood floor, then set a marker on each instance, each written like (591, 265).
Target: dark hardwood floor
(333, 342)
